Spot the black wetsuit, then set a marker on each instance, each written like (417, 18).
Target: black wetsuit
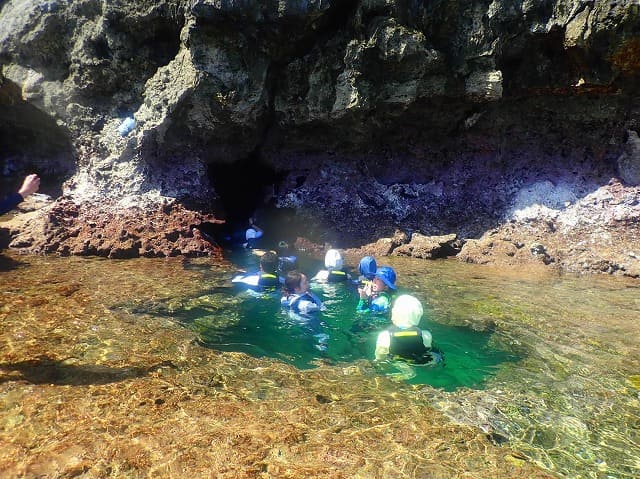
(10, 202)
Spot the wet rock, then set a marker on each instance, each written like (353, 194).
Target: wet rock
(537, 249)
(429, 247)
(588, 236)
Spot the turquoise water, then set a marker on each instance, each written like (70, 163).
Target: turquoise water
(259, 327)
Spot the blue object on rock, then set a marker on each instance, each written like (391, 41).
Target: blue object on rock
(126, 126)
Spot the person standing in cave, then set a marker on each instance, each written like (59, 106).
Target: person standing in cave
(30, 185)
(252, 235)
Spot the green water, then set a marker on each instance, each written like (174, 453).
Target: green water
(261, 328)
(547, 364)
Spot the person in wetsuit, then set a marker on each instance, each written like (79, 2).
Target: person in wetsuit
(376, 296)
(367, 269)
(266, 278)
(296, 295)
(253, 235)
(334, 272)
(404, 339)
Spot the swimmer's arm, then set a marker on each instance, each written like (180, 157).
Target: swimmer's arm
(363, 306)
(427, 338)
(382, 345)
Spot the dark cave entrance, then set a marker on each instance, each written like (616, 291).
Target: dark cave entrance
(247, 188)
(31, 142)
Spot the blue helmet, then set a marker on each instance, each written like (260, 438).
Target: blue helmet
(368, 267)
(387, 275)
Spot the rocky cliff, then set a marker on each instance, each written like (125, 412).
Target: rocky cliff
(512, 124)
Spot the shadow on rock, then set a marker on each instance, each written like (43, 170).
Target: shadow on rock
(45, 370)
(7, 264)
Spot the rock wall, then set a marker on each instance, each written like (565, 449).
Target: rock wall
(437, 117)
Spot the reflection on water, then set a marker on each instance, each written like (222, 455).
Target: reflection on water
(545, 364)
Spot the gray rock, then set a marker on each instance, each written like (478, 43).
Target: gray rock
(629, 161)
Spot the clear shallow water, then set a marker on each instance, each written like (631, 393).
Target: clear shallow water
(548, 365)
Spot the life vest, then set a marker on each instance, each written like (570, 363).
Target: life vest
(256, 281)
(268, 280)
(336, 276)
(330, 276)
(294, 301)
(379, 303)
(407, 344)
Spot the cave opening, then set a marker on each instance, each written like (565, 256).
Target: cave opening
(247, 189)
(31, 142)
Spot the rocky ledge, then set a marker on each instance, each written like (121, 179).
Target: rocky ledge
(511, 125)
(597, 234)
(64, 228)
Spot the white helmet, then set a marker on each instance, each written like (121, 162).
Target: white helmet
(333, 259)
(407, 311)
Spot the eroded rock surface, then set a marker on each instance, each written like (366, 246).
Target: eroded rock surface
(67, 228)
(361, 117)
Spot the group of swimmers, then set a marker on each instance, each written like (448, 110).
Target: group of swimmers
(376, 289)
(376, 286)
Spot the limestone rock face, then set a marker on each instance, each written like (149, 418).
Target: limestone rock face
(361, 116)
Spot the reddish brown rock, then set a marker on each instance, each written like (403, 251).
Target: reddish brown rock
(598, 234)
(66, 228)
